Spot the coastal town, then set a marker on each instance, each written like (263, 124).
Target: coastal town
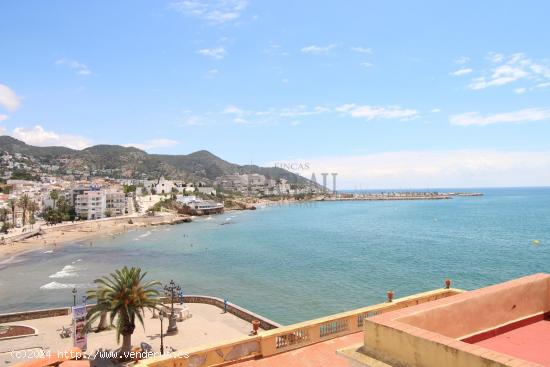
(245, 183)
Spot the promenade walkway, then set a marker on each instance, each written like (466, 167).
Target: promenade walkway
(208, 324)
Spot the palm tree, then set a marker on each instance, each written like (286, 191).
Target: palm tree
(125, 296)
(13, 204)
(54, 195)
(32, 208)
(24, 203)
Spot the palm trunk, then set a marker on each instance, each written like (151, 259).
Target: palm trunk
(103, 322)
(126, 342)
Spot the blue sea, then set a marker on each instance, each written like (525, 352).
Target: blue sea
(296, 262)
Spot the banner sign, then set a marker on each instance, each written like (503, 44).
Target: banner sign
(79, 323)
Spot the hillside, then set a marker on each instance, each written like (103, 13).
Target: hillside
(129, 162)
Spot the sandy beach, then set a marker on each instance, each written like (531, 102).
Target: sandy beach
(51, 237)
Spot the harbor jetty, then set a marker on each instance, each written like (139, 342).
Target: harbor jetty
(395, 195)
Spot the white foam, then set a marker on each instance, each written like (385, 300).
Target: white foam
(146, 234)
(56, 285)
(67, 272)
(48, 252)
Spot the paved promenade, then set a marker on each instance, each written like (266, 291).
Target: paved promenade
(208, 324)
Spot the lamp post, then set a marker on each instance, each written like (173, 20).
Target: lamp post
(161, 317)
(74, 296)
(171, 290)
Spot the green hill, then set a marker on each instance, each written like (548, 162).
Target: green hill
(129, 162)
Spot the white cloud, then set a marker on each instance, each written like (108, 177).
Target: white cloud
(435, 110)
(502, 75)
(80, 68)
(303, 110)
(274, 115)
(525, 115)
(40, 137)
(233, 110)
(362, 50)
(215, 52)
(462, 71)
(153, 144)
(366, 64)
(377, 112)
(433, 169)
(520, 90)
(3, 117)
(314, 49)
(495, 57)
(241, 121)
(506, 70)
(462, 60)
(212, 11)
(8, 99)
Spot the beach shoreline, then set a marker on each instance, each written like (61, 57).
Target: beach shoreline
(52, 237)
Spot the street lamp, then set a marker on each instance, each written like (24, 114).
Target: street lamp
(171, 290)
(74, 296)
(161, 317)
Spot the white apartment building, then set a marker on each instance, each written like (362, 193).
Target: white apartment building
(115, 202)
(91, 204)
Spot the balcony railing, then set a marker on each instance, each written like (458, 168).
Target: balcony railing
(291, 337)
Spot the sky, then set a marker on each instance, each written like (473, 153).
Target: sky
(388, 94)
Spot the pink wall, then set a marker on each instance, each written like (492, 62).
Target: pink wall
(486, 308)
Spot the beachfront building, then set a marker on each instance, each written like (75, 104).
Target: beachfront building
(206, 207)
(200, 206)
(91, 204)
(115, 203)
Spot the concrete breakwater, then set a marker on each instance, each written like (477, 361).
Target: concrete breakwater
(389, 196)
(397, 196)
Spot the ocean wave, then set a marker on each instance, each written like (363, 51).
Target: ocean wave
(146, 234)
(56, 285)
(68, 271)
(48, 252)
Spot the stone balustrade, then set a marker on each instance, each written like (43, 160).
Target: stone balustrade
(286, 338)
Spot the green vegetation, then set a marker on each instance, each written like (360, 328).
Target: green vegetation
(129, 188)
(54, 195)
(27, 205)
(4, 219)
(119, 161)
(124, 295)
(20, 174)
(63, 211)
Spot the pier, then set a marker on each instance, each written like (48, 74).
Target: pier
(409, 195)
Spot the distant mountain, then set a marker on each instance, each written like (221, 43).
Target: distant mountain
(129, 162)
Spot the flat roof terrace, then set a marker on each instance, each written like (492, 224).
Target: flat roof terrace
(530, 342)
(501, 325)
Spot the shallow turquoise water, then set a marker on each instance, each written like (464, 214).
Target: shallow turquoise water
(296, 262)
